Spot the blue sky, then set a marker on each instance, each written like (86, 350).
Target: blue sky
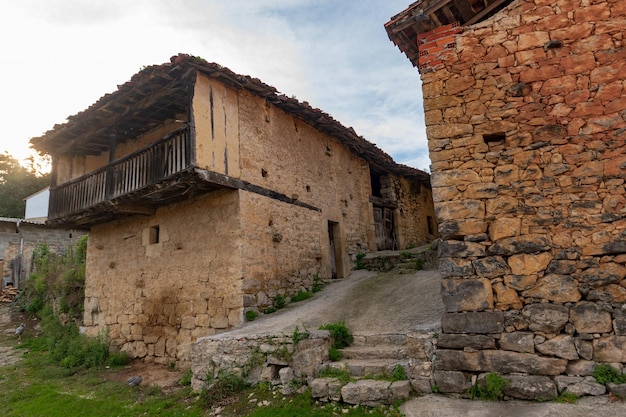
(59, 56)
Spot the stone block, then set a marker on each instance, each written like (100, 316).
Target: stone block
(491, 267)
(454, 178)
(609, 349)
(457, 84)
(584, 348)
(522, 342)
(506, 174)
(506, 297)
(546, 318)
(612, 293)
(619, 390)
(580, 367)
(460, 249)
(473, 322)
(459, 210)
(563, 381)
(520, 282)
(528, 264)
(500, 361)
(619, 322)
(519, 244)
(588, 386)
(556, 288)
(589, 317)
(452, 267)
(451, 381)
(366, 392)
(461, 341)
(607, 273)
(466, 294)
(561, 346)
(501, 205)
(525, 387)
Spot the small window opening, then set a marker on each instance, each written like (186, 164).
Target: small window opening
(375, 180)
(263, 172)
(154, 235)
(494, 138)
(308, 188)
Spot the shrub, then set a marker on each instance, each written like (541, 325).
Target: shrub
(278, 302)
(185, 380)
(251, 315)
(342, 337)
(298, 335)
(493, 388)
(605, 373)
(359, 261)
(318, 284)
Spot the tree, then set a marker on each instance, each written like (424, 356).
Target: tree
(18, 182)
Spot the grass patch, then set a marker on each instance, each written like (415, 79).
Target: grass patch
(567, 397)
(251, 315)
(334, 354)
(301, 296)
(605, 373)
(342, 374)
(37, 386)
(225, 385)
(491, 390)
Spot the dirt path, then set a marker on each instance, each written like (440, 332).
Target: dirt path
(9, 321)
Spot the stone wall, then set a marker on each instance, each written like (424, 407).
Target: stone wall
(155, 296)
(526, 124)
(18, 242)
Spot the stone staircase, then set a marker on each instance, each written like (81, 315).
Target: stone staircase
(404, 261)
(371, 362)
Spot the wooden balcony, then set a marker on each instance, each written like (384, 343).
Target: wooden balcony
(135, 184)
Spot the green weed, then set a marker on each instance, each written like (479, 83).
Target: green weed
(298, 335)
(342, 337)
(251, 315)
(334, 354)
(567, 397)
(492, 390)
(399, 374)
(301, 296)
(605, 373)
(278, 302)
(342, 374)
(359, 261)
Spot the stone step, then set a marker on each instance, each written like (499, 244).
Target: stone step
(358, 368)
(365, 391)
(375, 352)
(379, 339)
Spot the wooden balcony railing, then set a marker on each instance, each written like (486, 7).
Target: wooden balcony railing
(143, 168)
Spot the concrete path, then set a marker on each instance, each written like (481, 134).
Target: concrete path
(369, 303)
(440, 406)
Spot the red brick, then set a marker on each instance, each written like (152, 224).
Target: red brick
(594, 13)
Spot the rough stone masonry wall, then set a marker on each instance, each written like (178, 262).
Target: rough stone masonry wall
(154, 298)
(526, 122)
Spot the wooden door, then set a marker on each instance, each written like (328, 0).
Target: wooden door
(383, 221)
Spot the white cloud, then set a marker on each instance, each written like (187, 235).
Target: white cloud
(60, 56)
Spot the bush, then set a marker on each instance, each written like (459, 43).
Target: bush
(359, 261)
(492, 390)
(605, 373)
(342, 337)
(333, 354)
(278, 302)
(251, 315)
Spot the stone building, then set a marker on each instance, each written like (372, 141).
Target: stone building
(525, 105)
(207, 194)
(18, 240)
